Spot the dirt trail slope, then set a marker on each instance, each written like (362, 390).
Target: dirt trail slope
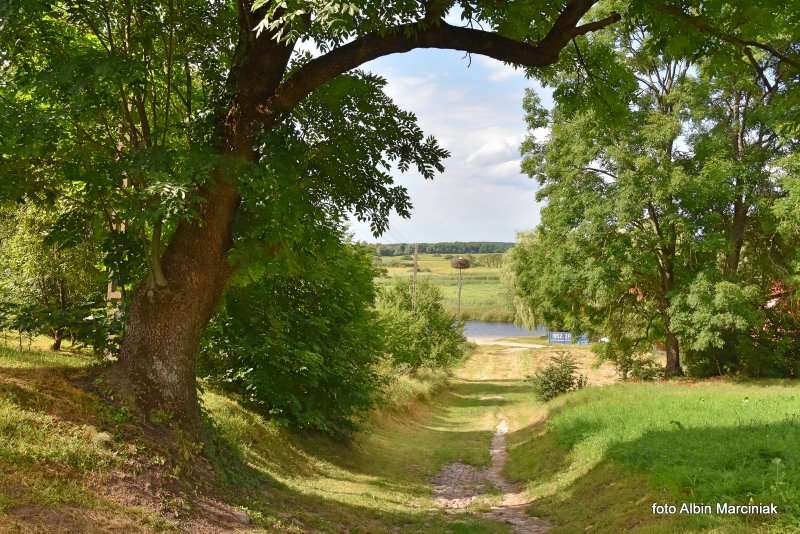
(494, 378)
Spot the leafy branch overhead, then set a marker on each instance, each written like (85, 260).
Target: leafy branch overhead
(355, 34)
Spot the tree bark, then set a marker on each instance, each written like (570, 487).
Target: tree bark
(736, 235)
(673, 367)
(156, 366)
(58, 336)
(165, 324)
(738, 223)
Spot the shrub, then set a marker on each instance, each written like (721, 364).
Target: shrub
(559, 376)
(302, 349)
(630, 359)
(644, 369)
(423, 336)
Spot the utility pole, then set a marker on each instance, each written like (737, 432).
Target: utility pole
(460, 264)
(414, 279)
(460, 283)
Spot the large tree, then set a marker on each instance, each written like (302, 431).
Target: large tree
(137, 70)
(661, 172)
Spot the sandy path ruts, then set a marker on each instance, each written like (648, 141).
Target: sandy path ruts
(457, 485)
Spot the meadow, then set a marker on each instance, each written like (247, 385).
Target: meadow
(484, 295)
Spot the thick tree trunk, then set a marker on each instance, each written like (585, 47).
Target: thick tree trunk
(156, 368)
(157, 364)
(673, 367)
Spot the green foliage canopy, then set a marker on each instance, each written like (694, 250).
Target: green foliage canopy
(664, 194)
(418, 331)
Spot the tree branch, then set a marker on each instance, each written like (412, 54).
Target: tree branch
(600, 171)
(157, 272)
(423, 34)
(704, 26)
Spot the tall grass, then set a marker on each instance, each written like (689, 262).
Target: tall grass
(406, 389)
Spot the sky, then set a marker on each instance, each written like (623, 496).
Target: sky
(475, 111)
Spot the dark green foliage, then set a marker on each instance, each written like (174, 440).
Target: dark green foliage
(425, 335)
(558, 377)
(301, 347)
(89, 323)
(667, 178)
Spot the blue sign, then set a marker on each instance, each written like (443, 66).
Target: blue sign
(565, 338)
(560, 338)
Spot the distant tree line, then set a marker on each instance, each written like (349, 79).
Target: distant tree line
(468, 247)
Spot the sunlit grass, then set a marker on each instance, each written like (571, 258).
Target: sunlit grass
(54, 445)
(380, 481)
(595, 459)
(11, 358)
(703, 443)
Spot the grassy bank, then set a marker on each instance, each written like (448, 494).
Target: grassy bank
(71, 461)
(484, 296)
(605, 455)
(594, 460)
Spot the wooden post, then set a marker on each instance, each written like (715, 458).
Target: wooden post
(460, 263)
(460, 283)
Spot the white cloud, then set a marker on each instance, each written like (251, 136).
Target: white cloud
(497, 70)
(496, 148)
(477, 115)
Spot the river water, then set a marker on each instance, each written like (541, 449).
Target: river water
(484, 329)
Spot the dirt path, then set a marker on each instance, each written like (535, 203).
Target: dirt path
(512, 506)
(497, 342)
(458, 485)
(492, 388)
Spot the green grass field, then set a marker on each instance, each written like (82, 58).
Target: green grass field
(606, 454)
(63, 451)
(591, 461)
(484, 296)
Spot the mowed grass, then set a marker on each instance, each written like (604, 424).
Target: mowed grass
(484, 295)
(606, 454)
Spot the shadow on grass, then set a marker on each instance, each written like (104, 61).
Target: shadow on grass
(54, 390)
(747, 463)
(738, 464)
(286, 482)
(489, 387)
(328, 486)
